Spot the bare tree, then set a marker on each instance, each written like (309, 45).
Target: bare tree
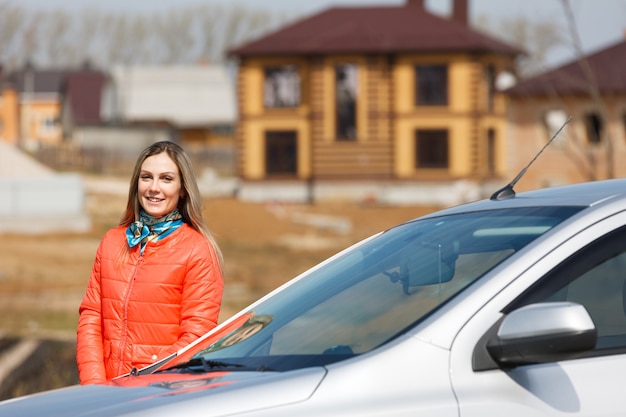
(540, 39)
(175, 32)
(179, 36)
(12, 19)
(87, 42)
(595, 95)
(58, 28)
(536, 37)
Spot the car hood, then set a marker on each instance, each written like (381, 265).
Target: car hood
(210, 394)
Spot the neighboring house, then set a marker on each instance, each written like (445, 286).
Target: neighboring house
(88, 119)
(592, 90)
(31, 116)
(34, 100)
(196, 102)
(392, 104)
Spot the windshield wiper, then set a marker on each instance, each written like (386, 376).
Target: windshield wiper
(201, 364)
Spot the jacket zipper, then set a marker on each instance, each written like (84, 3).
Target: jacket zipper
(122, 346)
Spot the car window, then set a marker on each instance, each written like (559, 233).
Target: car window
(376, 291)
(601, 291)
(596, 278)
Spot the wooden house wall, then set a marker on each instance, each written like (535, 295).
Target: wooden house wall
(570, 158)
(387, 118)
(371, 154)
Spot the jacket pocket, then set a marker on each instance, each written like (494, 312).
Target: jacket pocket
(144, 355)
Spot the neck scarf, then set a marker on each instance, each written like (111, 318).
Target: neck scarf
(150, 228)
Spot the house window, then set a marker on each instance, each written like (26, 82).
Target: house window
(281, 151)
(491, 151)
(490, 82)
(431, 149)
(431, 85)
(48, 125)
(222, 129)
(593, 127)
(281, 87)
(345, 101)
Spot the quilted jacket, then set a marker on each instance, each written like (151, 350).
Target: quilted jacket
(144, 307)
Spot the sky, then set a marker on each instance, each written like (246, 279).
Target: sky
(600, 23)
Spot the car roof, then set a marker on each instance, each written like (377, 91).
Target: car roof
(584, 194)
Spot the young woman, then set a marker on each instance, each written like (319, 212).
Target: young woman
(156, 282)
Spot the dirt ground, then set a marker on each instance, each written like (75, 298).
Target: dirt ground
(42, 278)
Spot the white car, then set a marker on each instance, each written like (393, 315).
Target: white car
(511, 306)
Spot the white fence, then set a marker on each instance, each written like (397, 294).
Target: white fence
(54, 203)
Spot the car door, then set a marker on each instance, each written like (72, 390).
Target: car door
(589, 269)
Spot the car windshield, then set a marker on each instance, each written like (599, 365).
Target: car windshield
(374, 291)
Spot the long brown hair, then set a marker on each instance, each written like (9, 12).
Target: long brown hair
(190, 203)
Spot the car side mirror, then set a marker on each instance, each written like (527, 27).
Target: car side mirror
(543, 332)
(539, 333)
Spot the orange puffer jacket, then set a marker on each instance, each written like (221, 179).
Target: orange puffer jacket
(143, 308)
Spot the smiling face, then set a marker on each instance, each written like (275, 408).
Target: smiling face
(159, 185)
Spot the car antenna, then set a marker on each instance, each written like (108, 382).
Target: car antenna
(507, 191)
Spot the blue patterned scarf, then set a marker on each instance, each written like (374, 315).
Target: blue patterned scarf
(149, 228)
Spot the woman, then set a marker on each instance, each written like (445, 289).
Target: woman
(156, 282)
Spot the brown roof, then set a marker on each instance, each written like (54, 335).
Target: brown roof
(83, 90)
(407, 28)
(36, 81)
(607, 67)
